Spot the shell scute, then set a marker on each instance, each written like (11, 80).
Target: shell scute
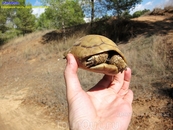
(91, 45)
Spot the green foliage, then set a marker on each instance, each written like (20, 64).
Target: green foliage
(72, 13)
(15, 20)
(10, 33)
(2, 39)
(94, 9)
(126, 14)
(3, 18)
(25, 20)
(106, 17)
(139, 13)
(6, 15)
(67, 12)
(119, 6)
(43, 22)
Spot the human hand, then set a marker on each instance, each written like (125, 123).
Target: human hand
(106, 106)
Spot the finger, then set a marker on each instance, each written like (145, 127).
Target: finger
(117, 82)
(103, 83)
(71, 78)
(126, 83)
(129, 96)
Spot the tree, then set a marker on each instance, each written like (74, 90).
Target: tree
(43, 22)
(145, 11)
(126, 14)
(10, 22)
(119, 6)
(72, 13)
(94, 9)
(25, 20)
(67, 12)
(7, 25)
(3, 19)
(139, 13)
(3, 28)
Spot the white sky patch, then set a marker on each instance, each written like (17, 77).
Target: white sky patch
(87, 20)
(36, 10)
(164, 3)
(137, 8)
(168, 2)
(149, 3)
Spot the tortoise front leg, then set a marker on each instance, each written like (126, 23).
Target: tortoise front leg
(96, 59)
(118, 61)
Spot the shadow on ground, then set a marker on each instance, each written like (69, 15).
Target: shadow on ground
(120, 31)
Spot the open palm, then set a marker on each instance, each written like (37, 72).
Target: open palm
(106, 106)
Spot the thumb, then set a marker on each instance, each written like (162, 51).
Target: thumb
(71, 79)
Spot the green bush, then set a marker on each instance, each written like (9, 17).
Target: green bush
(139, 13)
(9, 34)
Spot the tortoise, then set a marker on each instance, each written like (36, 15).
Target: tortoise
(99, 54)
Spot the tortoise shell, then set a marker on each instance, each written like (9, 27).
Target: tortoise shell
(98, 54)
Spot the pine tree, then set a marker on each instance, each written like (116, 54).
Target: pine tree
(67, 12)
(119, 6)
(25, 20)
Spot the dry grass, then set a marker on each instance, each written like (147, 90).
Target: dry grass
(147, 57)
(46, 50)
(22, 39)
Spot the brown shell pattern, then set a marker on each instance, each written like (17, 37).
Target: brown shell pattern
(90, 45)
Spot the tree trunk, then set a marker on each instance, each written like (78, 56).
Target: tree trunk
(64, 35)
(92, 11)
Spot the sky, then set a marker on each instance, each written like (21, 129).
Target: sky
(35, 4)
(151, 4)
(146, 4)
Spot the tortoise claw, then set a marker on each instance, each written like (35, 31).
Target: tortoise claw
(89, 62)
(96, 59)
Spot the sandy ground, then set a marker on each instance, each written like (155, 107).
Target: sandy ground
(16, 81)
